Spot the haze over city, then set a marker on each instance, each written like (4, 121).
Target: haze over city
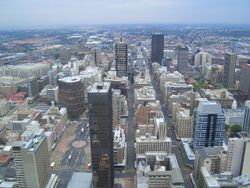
(30, 13)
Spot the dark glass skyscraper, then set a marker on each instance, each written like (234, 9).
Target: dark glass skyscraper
(101, 134)
(157, 48)
(246, 123)
(229, 70)
(121, 59)
(182, 59)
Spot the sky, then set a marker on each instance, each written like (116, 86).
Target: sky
(15, 13)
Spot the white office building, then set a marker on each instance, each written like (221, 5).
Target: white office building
(208, 124)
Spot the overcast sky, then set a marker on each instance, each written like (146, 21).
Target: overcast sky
(79, 12)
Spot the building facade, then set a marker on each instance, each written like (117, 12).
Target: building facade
(116, 106)
(208, 124)
(157, 48)
(152, 144)
(121, 59)
(246, 122)
(183, 121)
(229, 70)
(71, 95)
(182, 58)
(202, 58)
(234, 159)
(32, 164)
(101, 135)
(32, 86)
(245, 79)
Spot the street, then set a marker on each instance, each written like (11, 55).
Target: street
(170, 133)
(130, 171)
(74, 157)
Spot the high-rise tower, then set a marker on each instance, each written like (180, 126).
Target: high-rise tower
(245, 79)
(157, 48)
(71, 95)
(208, 124)
(121, 59)
(182, 58)
(101, 134)
(229, 70)
(246, 122)
(31, 161)
(116, 106)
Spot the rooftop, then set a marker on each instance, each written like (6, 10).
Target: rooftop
(209, 107)
(190, 153)
(210, 181)
(206, 151)
(71, 79)
(100, 87)
(80, 179)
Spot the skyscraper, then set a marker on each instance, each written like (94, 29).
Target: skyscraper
(182, 58)
(101, 134)
(245, 79)
(116, 106)
(71, 95)
(208, 124)
(32, 85)
(229, 70)
(235, 154)
(31, 161)
(202, 58)
(157, 48)
(121, 59)
(246, 122)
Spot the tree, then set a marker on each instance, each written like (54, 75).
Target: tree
(227, 127)
(236, 128)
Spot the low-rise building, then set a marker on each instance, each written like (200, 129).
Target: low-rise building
(151, 144)
(142, 79)
(174, 89)
(220, 180)
(182, 120)
(54, 123)
(22, 118)
(144, 95)
(207, 71)
(120, 148)
(234, 116)
(4, 107)
(187, 150)
(159, 170)
(213, 158)
(223, 96)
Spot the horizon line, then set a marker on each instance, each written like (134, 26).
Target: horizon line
(65, 26)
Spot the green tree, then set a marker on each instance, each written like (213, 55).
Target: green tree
(236, 128)
(227, 127)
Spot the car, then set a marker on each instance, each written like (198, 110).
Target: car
(69, 157)
(89, 165)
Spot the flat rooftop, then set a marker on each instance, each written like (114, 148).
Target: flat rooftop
(100, 87)
(80, 179)
(71, 79)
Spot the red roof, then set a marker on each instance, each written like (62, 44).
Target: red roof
(4, 158)
(245, 66)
